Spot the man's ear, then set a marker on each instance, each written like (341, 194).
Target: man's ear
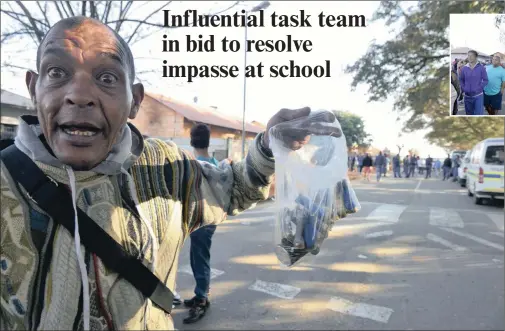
(138, 96)
(31, 81)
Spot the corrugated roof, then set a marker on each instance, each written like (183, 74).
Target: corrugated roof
(205, 115)
(13, 99)
(464, 50)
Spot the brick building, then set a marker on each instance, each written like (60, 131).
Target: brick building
(165, 117)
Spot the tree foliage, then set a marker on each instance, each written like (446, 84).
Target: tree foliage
(353, 128)
(132, 20)
(412, 68)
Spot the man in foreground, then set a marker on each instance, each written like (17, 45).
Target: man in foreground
(146, 195)
(473, 79)
(493, 92)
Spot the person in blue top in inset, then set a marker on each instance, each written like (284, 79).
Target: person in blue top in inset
(473, 79)
(493, 92)
(201, 239)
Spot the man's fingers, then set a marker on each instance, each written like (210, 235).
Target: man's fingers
(324, 116)
(319, 129)
(292, 114)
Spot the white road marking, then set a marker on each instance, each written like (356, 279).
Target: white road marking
(418, 185)
(499, 234)
(379, 234)
(496, 260)
(376, 313)
(361, 256)
(497, 219)
(387, 213)
(445, 243)
(479, 264)
(186, 269)
(445, 218)
(278, 290)
(474, 238)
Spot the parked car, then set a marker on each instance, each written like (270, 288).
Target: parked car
(485, 177)
(464, 168)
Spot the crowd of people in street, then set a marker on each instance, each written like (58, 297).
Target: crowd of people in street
(409, 166)
(478, 85)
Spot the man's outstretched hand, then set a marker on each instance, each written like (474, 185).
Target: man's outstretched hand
(294, 127)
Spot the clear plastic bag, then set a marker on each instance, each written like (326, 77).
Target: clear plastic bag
(312, 188)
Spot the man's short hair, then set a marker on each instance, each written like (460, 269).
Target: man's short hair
(474, 52)
(71, 22)
(200, 136)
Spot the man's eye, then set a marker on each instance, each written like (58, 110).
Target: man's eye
(56, 73)
(107, 78)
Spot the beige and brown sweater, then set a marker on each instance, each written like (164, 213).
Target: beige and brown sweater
(41, 286)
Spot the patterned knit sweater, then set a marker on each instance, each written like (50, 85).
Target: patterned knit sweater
(40, 284)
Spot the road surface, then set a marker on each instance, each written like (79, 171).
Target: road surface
(461, 108)
(419, 255)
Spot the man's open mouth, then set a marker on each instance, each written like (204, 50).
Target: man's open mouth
(84, 129)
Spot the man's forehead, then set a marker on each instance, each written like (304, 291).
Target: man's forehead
(82, 35)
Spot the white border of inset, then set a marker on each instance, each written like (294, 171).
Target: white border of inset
(450, 66)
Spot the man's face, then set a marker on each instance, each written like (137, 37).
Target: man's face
(496, 61)
(83, 93)
(472, 57)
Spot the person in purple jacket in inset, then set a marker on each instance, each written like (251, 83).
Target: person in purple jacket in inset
(473, 79)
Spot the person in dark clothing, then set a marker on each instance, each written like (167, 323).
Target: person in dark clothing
(367, 165)
(447, 167)
(397, 166)
(429, 166)
(413, 165)
(201, 239)
(406, 166)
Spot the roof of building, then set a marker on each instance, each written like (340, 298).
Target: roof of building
(13, 99)
(205, 115)
(464, 50)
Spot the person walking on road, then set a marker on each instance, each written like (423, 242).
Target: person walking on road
(406, 166)
(201, 239)
(387, 161)
(456, 163)
(413, 165)
(429, 166)
(493, 92)
(447, 167)
(473, 79)
(380, 163)
(360, 163)
(437, 167)
(420, 167)
(367, 166)
(397, 166)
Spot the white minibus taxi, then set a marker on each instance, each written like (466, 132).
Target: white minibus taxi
(485, 170)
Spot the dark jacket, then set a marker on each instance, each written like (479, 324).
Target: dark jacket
(448, 162)
(367, 161)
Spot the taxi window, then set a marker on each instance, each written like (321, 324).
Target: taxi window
(494, 155)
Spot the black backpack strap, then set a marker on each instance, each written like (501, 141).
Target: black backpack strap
(55, 200)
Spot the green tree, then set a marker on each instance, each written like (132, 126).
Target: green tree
(412, 68)
(353, 128)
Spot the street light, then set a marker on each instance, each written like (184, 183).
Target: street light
(263, 5)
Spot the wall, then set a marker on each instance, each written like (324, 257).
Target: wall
(157, 120)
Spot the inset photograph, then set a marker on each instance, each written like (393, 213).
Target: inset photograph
(477, 64)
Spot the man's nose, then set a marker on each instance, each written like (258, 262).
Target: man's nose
(80, 93)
